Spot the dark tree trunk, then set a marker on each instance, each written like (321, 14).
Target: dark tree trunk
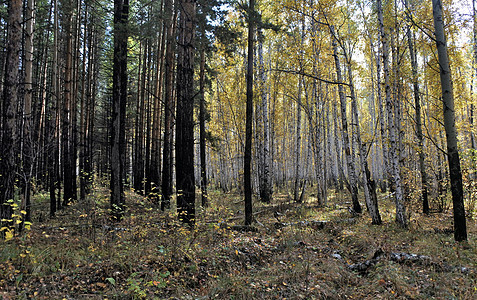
(185, 180)
(168, 107)
(120, 79)
(249, 116)
(83, 122)
(156, 129)
(148, 125)
(202, 133)
(8, 151)
(460, 228)
(65, 117)
(28, 134)
(138, 164)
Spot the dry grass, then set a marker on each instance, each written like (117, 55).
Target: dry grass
(79, 255)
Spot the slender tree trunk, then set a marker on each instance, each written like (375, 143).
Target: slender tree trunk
(298, 180)
(338, 148)
(353, 186)
(90, 105)
(264, 164)
(369, 186)
(83, 108)
(148, 87)
(168, 107)
(420, 138)
(66, 105)
(249, 116)
(401, 217)
(138, 164)
(460, 228)
(202, 132)
(382, 127)
(28, 144)
(156, 129)
(74, 107)
(55, 202)
(120, 79)
(474, 85)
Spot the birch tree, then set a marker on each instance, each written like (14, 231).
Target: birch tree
(401, 217)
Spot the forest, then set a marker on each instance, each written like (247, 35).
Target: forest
(238, 149)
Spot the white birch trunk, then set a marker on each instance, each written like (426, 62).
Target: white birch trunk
(353, 187)
(393, 139)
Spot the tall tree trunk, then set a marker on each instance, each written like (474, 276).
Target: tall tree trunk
(298, 180)
(417, 103)
(148, 125)
(369, 186)
(83, 107)
(401, 217)
(168, 107)
(265, 186)
(66, 123)
(28, 144)
(74, 106)
(156, 129)
(382, 127)
(460, 228)
(120, 79)
(92, 75)
(185, 179)
(202, 132)
(54, 122)
(138, 162)
(474, 85)
(339, 149)
(249, 116)
(10, 98)
(353, 186)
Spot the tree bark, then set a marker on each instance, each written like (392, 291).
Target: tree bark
(369, 186)
(168, 107)
(353, 187)
(401, 217)
(185, 179)
(298, 181)
(249, 116)
(28, 144)
(66, 123)
(54, 177)
(120, 79)
(157, 116)
(460, 228)
(8, 151)
(202, 132)
(417, 103)
(265, 186)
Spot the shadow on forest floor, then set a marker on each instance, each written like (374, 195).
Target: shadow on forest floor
(298, 251)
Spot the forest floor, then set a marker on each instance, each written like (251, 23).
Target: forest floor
(299, 251)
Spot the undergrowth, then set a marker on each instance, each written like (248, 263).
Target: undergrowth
(79, 254)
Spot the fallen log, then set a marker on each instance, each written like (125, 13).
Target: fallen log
(313, 224)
